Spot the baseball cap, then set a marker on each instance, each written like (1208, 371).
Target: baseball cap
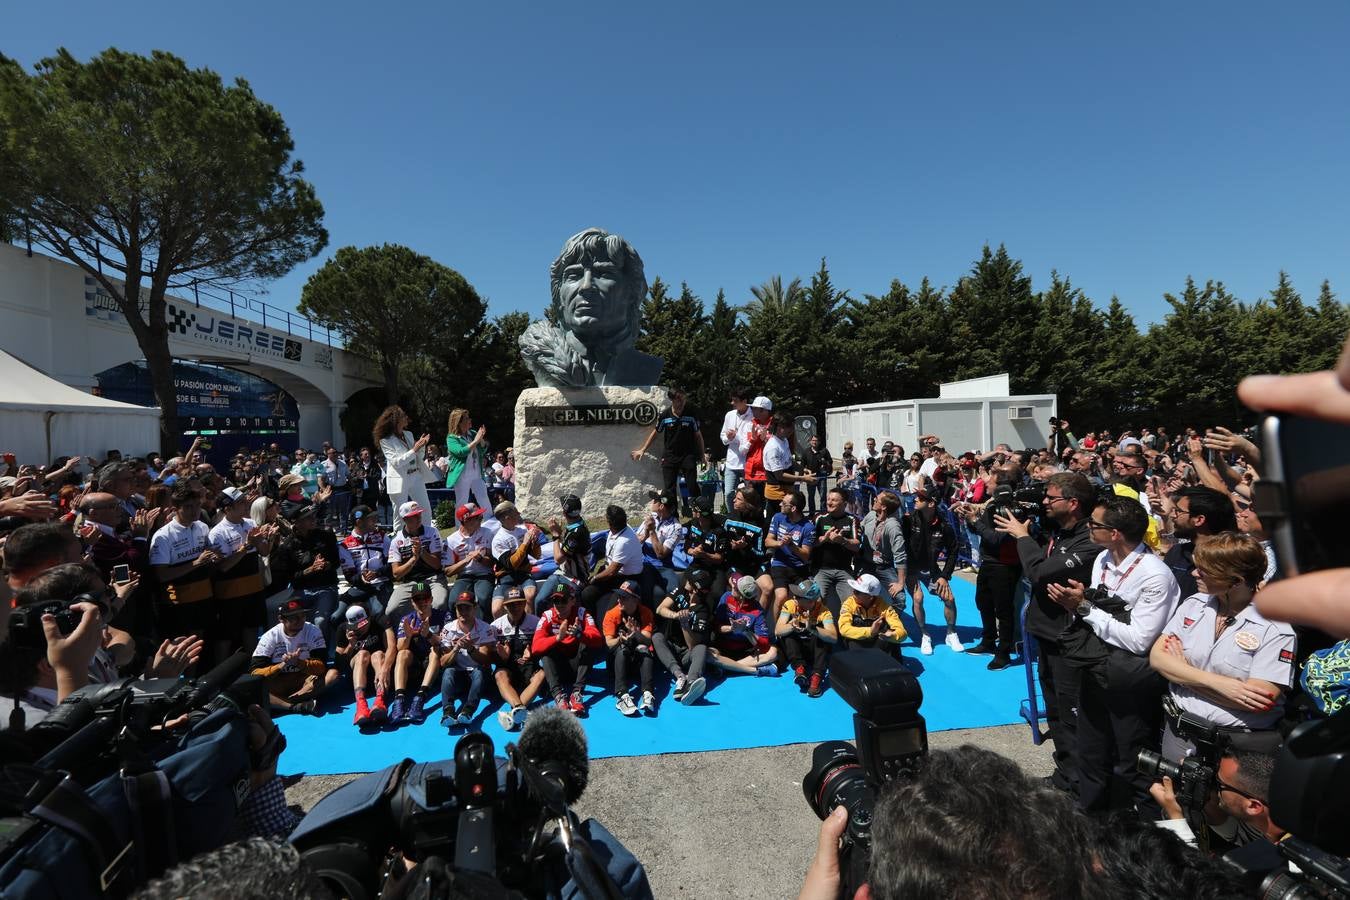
(420, 589)
(746, 588)
(562, 591)
(1129, 442)
(466, 598)
(232, 495)
(662, 496)
(762, 403)
(630, 587)
(296, 513)
(701, 579)
(292, 607)
(571, 504)
(409, 508)
(356, 615)
(867, 584)
(360, 512)
(287, 481)
(514, 595)
(469, 511)
(703, 504)
(806, 589)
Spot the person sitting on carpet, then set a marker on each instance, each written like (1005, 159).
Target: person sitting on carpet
(740, 635)
(867, 620)
(562, 644)
(515, 546)
(689, 615)
(628, 633)
(466, 645)
(806, 629)
(367, 644)
(419, 632)
(290, 659)
(518, 675)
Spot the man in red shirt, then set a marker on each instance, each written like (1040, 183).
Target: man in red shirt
(562, 644)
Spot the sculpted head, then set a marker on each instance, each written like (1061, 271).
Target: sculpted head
(597, 285)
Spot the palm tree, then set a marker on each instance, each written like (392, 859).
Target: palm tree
(772, 299)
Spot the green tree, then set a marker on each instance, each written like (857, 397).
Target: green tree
(1331, 323)
(394, 305)
(1194, 359)
(771, 298)
(161, 174)
(998, 314)
(673, 330)
(1277, 333)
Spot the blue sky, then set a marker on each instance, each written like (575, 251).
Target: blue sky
(1126, 146)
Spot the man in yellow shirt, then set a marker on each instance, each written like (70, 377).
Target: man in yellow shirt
(867, 620)
(805, 628)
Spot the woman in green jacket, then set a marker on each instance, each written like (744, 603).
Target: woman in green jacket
(468, 460)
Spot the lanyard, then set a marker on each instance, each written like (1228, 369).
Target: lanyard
(1123, 576)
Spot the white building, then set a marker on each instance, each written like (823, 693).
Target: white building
(974, 414)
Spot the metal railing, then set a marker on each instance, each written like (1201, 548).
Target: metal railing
(242, 306)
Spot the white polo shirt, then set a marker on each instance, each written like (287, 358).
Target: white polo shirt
(1150, 593)
(625, 549)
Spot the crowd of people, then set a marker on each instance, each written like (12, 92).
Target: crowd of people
(1137, 558)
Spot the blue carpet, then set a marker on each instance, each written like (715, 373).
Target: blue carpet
(737, 713)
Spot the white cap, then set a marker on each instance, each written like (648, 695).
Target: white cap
(762, 403)
(356, 615)
(233, 493)
(409, 508)
(746, 588)
(867, 584)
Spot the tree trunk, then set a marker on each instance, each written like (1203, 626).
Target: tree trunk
(159, 363)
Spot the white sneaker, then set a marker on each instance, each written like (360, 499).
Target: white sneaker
(926, 646)
(648, 703)
(693, 690)
(506, 720)
(954, 643)
(625, 705)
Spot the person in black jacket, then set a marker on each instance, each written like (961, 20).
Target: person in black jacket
(308, 559)
(996, 584)
(927, 537)
(1064, 553)
(1196, 511)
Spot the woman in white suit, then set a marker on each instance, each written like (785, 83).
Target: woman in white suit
(406, 472)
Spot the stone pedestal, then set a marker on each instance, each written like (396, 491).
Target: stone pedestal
(577, 441)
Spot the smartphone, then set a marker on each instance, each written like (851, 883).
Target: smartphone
(121, 574)
(1305, 492)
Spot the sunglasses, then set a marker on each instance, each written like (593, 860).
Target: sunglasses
(1099, 526)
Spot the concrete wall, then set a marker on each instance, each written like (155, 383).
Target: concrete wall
(56, 318)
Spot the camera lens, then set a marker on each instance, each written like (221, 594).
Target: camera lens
(1155, 767)
(837, 779)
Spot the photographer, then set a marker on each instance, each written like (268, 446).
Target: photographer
(1132, 595)
(1238, 808)
(998, 576)
(1067, 552)
(1227, 664)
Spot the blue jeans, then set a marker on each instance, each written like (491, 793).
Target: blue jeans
(461, 682)
(730, 479)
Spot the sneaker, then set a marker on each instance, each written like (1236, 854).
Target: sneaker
(926, 645)
(983, 648)
(506, 720)
(518, 716)
(954, 643)
(305, 708)
(693, 691)
(577, 704)
(1000, 661)
(466, 714)
(817, 686)
(378, 712)
(624, 703)
(800, 678)
(648, 703)
(416, 714)
(768, 670)
(396, 711)
(362, 716)
(681, 685)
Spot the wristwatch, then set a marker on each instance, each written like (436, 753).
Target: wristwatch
(1083, 608)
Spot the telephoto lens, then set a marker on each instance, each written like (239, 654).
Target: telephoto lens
(1155, 767)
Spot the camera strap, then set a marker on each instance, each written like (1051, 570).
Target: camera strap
(68, 807)
(149, 796)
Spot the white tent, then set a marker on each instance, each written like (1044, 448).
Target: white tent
(41, 418)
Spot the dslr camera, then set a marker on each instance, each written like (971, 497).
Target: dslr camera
(1193, 778)
(1021, 504)
(891, 740)
(25, 622)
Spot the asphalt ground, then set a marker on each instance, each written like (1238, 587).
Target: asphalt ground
(727, 824)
